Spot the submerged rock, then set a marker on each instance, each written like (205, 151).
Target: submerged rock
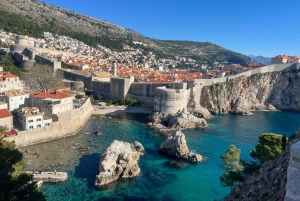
(119, 160)
(175, 145)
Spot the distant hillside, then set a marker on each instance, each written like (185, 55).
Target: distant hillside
(33, 18)
(261, 59)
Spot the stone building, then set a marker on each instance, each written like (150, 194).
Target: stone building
(101, 76)
(6, 119)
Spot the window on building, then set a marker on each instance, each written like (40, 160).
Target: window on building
(30, 127)
(47, 124)
(39, 125)
(39, 120)
(30, 121)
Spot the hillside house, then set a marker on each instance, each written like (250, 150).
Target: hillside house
(282, 59)
(6, 119)
(15, 98)
(31, 117)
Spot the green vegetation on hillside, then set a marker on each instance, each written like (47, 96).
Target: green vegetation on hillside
(10, 65)
(269, 145)
(233, 167)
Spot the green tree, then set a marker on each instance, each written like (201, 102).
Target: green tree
(15, 185)
(269, 145)
(233, 167)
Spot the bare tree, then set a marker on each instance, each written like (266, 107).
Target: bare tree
(41, 77)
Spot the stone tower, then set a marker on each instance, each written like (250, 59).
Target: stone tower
(114, 69)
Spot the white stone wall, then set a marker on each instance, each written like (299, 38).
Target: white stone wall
(7, 122)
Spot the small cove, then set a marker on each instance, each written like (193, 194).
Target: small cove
(159, 180)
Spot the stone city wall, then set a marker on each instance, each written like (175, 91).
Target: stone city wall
(171, 100)
(293, 175)
(69, 75)
(144, 101)
(69, 123)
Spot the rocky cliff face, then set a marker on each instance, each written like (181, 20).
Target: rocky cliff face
(266, 91)
(119, 160)
(175, 145)
(269, 183)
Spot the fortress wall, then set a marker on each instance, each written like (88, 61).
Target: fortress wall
(29, 53)
(69, 123)
(53, 52)
(27, 64)
(87, 80)
(119, 87)
(144, 101)
(170, 100)
(18, 56)
(99, 87)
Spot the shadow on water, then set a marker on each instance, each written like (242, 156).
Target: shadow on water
(88, 168)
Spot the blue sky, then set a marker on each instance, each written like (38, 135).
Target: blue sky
(259, 27)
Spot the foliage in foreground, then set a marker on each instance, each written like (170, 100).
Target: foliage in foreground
(233, 167)
(270, 144)
(15, 185)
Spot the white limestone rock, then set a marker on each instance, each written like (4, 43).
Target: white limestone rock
(119, 160)
(197, 110)
(175, 145)
(183, 120)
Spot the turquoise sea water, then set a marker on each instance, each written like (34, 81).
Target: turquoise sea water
(159, 180)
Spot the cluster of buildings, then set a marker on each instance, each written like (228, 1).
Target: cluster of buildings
(31, 109)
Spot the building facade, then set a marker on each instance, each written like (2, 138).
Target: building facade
(6, 119)
(15, 99)
(31, 117)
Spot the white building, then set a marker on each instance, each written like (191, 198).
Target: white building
(15, 99)
(31, 117)
(9, 81)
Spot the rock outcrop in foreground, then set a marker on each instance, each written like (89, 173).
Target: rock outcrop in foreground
(175, 145)
(293, 175)
(268, 91)
(171, 122)
(269, 183)
(119, 160)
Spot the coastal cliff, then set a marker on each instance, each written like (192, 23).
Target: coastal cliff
(268, 91)
(269, 183)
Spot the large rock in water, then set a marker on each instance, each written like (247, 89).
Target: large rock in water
(175, 145)
(184, 119)
(119, 160)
